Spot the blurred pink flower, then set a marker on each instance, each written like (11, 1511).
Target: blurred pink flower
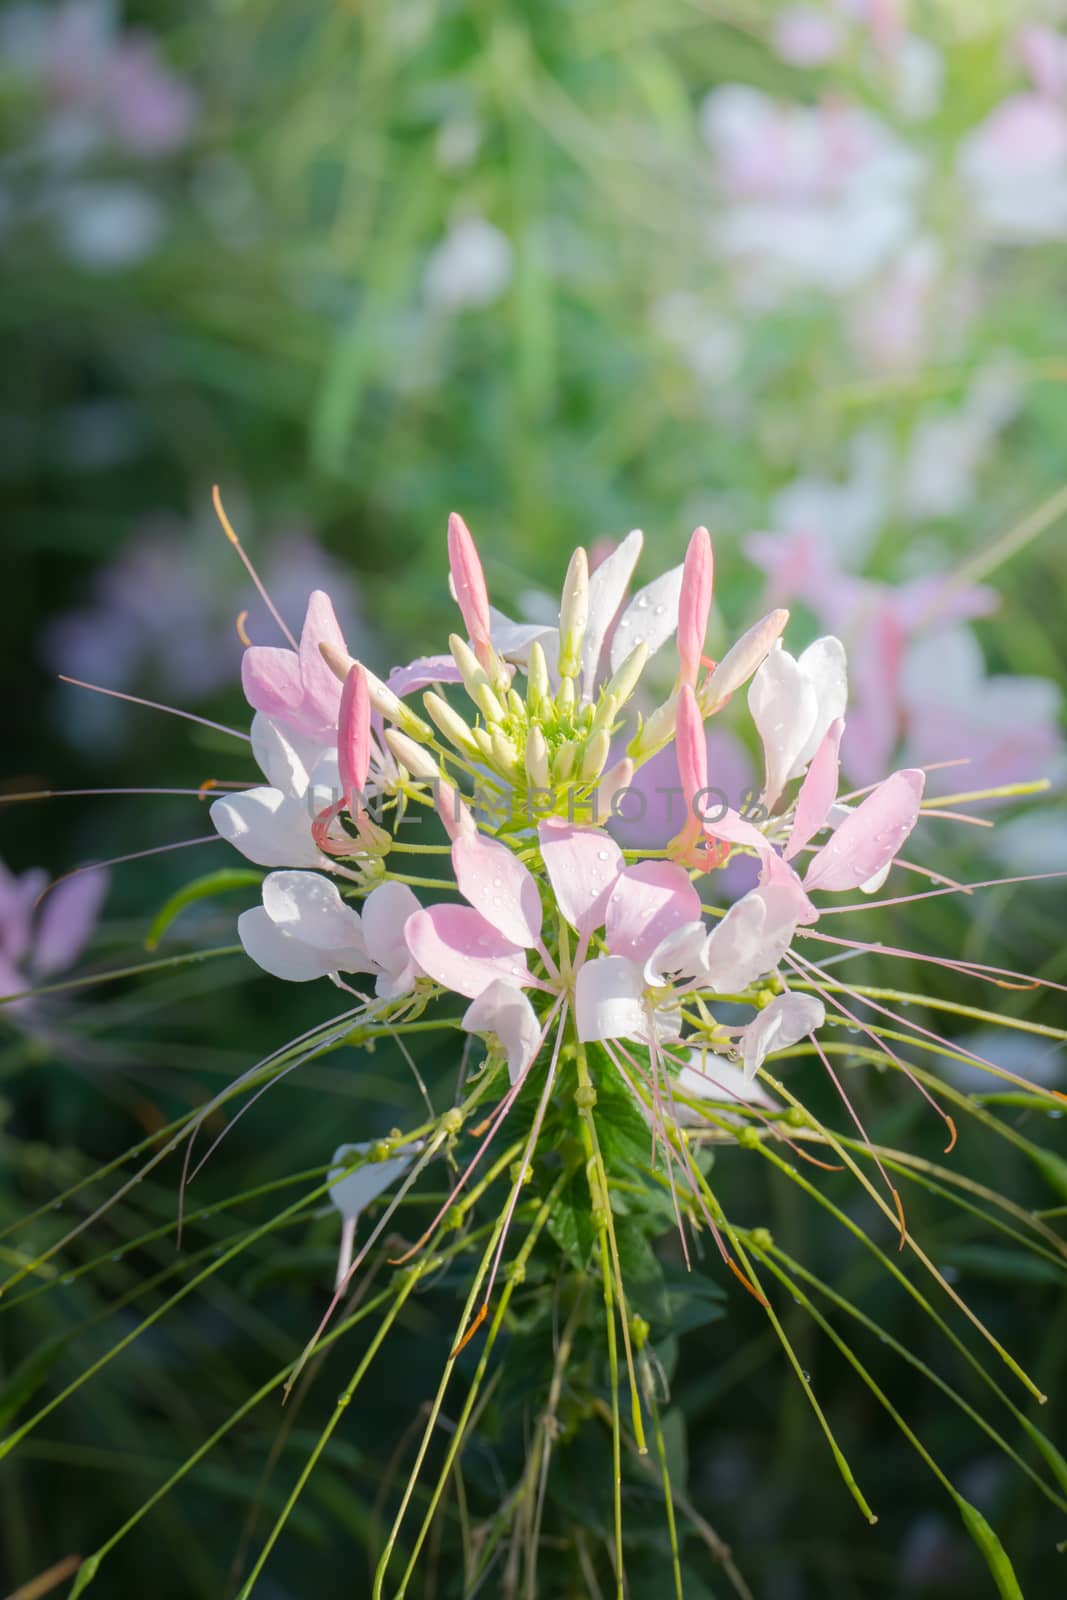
(90, 69)
(1006, 727)
(39, 941)
(1015, 162)
(161, 615)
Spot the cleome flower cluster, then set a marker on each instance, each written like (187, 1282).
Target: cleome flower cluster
(555, 936)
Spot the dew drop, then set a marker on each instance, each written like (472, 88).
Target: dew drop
(602, 855)
(659, 610)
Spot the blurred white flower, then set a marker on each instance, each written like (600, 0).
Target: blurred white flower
(107, 227)
(457, 143)
(918, 75)
(948, 448)
(890, 326)
(1014, 165)
(712, 346)
(846, 516)
(815, 197)
(471, 266)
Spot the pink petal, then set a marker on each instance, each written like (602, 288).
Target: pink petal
(353, 736)
(870, 837)
(468, 580)
(818, 791)
(270, 679)
(694, 605)
(741, 660)
(423, 673)
(583, 866)
(504, 1010)
(67, 920)
(608, 1000)
(322, 691)
(774, 871)
(457, 948)
(497, 884)
(648, 902)
(733, 828)
(691, 745)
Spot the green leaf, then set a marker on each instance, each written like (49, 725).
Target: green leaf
(28, 1376)
(200, 889)
(994, 1552)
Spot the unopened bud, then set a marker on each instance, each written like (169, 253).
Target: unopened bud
(505, 755)
(449, 722)
(741, 661)
(565, 695)
(538, 688)
(484, 743)
(475, 680)
(617, 778)
(595, 754)
(564, 761)
(573, 614)
(537, 759)
(623, 683)
(418, 761)
(384, 701)
(606, 712)
(654, 733)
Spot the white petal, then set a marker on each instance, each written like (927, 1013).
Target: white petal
(385, 912)
(710, 1077)
(784, 1022)
(652, 615)
(608, 999)
(504, 1010)
(824, 666)
(352, 1192)
(679, 955)
(512, 640)
(751, 939)
(278, 952)
(268, 827)
(608, 584)
(784, 707)
(283, 757)
(311, 909)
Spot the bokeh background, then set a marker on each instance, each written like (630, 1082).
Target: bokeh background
(795, 271)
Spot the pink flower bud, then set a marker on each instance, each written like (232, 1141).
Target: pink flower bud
(353, 736)
(692, 752)
(468, 580)
(694, 605)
